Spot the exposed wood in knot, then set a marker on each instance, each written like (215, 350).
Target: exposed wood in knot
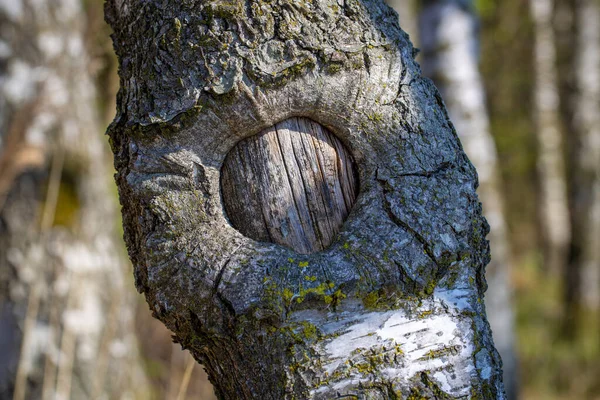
(293, 184)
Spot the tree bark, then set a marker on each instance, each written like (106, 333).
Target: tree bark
(450, 56)
(393, 307)
(66, 316)
(555, 226)
(582, 277)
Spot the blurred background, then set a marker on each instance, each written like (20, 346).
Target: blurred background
(521, 80)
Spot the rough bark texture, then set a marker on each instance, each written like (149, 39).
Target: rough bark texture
(450, 56)
(554, 211)
(293, 184)
(394, 307)
(63, 287)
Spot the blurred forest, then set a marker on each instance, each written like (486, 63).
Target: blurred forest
(521, 80)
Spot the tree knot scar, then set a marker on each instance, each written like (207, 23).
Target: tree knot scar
(293, 184)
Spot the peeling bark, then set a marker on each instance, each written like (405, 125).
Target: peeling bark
(65, 312)
(450, 53)
(393, 307)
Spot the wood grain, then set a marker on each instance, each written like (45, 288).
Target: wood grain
(293, 184)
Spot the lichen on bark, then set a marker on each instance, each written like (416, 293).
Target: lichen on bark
(393, 307)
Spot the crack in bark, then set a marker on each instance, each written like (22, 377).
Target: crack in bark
(226, 304)
(367, 62)
(406, 279)
(446, 165)
(292, 187)
(222, 271)
(402, 224)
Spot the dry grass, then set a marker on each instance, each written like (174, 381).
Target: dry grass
(166, 364)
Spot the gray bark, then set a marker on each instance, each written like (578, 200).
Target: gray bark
(393, 308)
(66, 316)
(450, 56)
(554, 220)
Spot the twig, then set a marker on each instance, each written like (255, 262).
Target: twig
(34, 296)
(185, 381)
(103, 351)
(49, 367)
(30, 319)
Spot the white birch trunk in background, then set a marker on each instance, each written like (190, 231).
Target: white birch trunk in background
(66, 311)
(585, 248)
(449, 44)
(553, 205)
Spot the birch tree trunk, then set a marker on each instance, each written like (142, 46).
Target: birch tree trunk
(583, 274)
(274, 96)
(554, 211)
(450, 51)
(66, 316)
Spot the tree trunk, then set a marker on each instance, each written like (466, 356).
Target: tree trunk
(554, 212)
(393, 307)
(66, 316)
(450, 49)
(583, 274)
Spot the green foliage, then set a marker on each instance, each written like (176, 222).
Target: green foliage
(67, 204)
(485, 8)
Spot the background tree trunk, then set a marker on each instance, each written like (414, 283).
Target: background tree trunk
(555, 226)
(450, 56)
(582, 69)
(66, 317)
(393, 307)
